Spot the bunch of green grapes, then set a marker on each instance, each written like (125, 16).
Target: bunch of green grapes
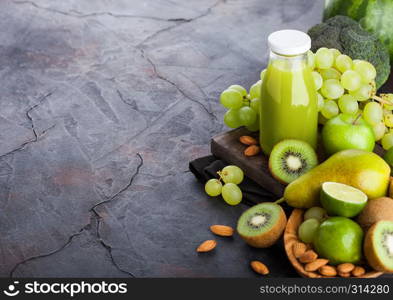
(243, 107)
(348, 86)
(231, 176)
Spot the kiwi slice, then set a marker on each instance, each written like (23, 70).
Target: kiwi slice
(262, 225)
(378, 246)
(290, 159)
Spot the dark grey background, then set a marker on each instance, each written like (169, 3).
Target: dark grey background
(103, 104)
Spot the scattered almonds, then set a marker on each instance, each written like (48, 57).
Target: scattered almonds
(345, 268)
(345, 275)
(358, 271)
(252, 150)
(308, 256)
(259, 267)
(207, 246)
(316, 264)
(222, 230)
(248, 140)
(328, 271)
(298, 249)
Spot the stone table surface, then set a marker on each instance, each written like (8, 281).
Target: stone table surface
(103, 104)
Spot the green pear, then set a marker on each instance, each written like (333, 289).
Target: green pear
(361, 169)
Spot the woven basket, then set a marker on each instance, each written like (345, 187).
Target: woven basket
(290, 237)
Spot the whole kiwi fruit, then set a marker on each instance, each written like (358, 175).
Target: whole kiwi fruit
(374, 211)
(262, 225)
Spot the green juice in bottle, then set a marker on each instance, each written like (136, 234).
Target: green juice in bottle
(289, 108)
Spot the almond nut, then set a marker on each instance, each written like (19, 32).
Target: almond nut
(345, 268)
(248, 140)
(252, 150)
(259, 267)
(207, 246)
(222, 230)
(298, 249)
(343, 274)
(316, 264)
(308, 256)
(327, 271)
(358, 271)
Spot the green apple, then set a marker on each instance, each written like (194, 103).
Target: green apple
(339, 239)
(347, 132)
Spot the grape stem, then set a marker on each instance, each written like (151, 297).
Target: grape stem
(281, 200)
(381, 100)
(357, 118)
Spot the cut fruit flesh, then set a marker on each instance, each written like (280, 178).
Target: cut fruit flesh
(259, 219)
(342, 200)
(290, 159)
(343, 192)
(378, 246)
(262, 225)
(385, 248)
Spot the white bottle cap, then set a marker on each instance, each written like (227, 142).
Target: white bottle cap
(289, 42)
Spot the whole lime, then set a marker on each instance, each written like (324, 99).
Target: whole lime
(347, 132)
(339, 240)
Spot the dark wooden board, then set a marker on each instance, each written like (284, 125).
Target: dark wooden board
(227, 147)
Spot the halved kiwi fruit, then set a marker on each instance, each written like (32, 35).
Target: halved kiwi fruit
(378, 246)
(262, 225)
(290, 159)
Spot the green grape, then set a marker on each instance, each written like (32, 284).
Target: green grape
(213, 187)
(330, 73)
(262, 75)
(343, 62)
(329, 109)
(255, 104)
(379, 131)
(388, 119)
(308, 229)
(255, 90)
(239, 88)
(335, 52)
(231, 98)
(363, 93)
(366, 70)
(351, 80)
(332, 89)
(317, 79)
(324, 58)
(321, 102)
(373, 113)
(315, 212)
(387, 140)
(348, 104)
(232, 174)
(311, 59)
(247, 115)
(254, 127)
(232, 194)
(231, 118)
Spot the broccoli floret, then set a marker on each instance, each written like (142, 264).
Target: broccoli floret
(346, 35)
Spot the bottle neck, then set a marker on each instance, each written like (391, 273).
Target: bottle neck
(289, 63)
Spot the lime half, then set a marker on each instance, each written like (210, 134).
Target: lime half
(342, 200)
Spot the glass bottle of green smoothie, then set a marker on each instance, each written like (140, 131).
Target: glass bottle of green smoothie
(289, 108)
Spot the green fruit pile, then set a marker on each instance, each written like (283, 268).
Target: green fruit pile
(340, 239)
